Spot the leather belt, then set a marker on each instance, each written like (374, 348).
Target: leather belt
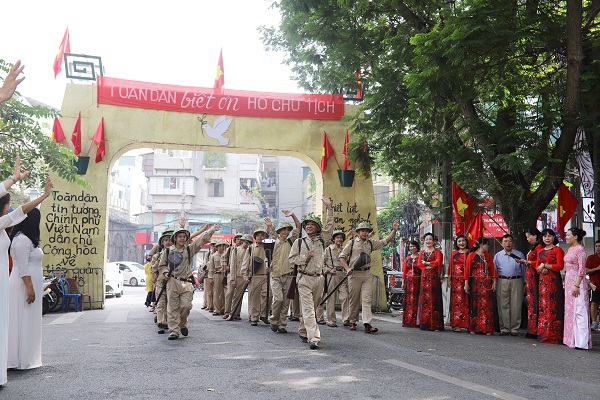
(288, 274)
(182, 279)
(309, 274)
(509, 277)
(364, 269)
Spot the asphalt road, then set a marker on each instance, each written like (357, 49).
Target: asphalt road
(116, 353)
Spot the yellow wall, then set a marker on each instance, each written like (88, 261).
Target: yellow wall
(84, 210)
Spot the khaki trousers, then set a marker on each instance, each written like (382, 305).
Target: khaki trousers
(234, 294)
(341, 294)
(179, 304)
(257, 297)
(360, 285)
(208, 293)
(279, 287)
(218, 294)
(510, 302)
(310, 289)
(161, 305)
(295, 310)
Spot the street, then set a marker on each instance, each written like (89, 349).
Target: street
(116, 353)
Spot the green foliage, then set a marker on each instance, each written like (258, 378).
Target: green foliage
(25, 132)
(481, 86)
(214, 160)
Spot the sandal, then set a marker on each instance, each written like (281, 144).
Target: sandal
(352, 327)
(370, 329)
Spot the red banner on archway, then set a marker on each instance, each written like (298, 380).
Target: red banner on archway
(197, 100)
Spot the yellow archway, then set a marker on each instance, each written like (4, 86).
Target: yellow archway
(75, 218)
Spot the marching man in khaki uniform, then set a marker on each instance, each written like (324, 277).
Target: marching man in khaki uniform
(161, 305)
(215, 263)
(236, 280)
(334, 273)
(356, 260)
(254, 271)
(209, 279)
(230, 260)
(281, 269)
(308, 254)
(175, 266)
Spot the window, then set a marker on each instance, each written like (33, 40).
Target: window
(170, 183)
(215, 188)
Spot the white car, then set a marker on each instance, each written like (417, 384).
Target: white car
(113, 280)
(133, 273)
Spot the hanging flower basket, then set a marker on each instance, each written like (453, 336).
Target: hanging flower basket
(346, 177)
(82, 163)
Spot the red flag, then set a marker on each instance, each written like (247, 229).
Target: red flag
(567, 204)
(98, 138)
(327, 152)
(463, 206)
(476, 229)
(346, 162)
(359, 92)
(58, 135)
(220, 76)
(65, 47)
(76, 136)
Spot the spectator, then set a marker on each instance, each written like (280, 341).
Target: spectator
(592, 267)
(532, 282)
(411, 283)
(11, 82)
(509, 265)
(480, 284)
(577, 308)
(459, 302)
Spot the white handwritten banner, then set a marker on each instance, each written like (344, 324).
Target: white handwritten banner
(157, 96)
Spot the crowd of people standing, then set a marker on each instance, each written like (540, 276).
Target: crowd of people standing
(486, 290)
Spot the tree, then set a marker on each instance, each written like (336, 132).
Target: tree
(24, 131)
(489, 90)
(404, 208)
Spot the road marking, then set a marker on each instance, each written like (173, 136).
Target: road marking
(117, 316)
(67, 318)
(455, 381)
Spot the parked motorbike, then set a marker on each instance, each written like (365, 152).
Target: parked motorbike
(52, 295)
(395, 293)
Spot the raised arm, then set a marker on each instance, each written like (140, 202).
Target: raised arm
(11, 82)
(34, 203)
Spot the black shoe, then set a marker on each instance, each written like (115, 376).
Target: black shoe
(321, 322)
(161, 331)
(282, 330)
(303, 338)
(346, 323)
(274, 328)
(163, 326)
(184, 331)
(265, 320)
(314, 345)
(173, 336)
(294, 319)
(254, 323)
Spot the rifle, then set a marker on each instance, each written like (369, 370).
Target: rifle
(291, 293)
(269, 253)
(334, 289)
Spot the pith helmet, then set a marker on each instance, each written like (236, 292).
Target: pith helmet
(166, 233)
(364, 225)
(248, 238)
(259, 230)
(237, 236)
(221, 242)
(174, 235)
(313, 218)
(337, 233)
(283, 225)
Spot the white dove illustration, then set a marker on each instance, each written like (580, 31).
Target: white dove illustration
(220, 127)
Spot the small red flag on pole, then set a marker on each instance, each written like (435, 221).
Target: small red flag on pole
(58, 135)
(98, 138)
(76, 136)
(65, 47)
(327, 152)
(220, 76)
(567, 204)
(346, 162)
(463, 206)
(476, 229)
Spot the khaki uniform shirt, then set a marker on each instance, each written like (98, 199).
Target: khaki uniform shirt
(314, 265)
(332, 259)
(236, 258)
(215, 264)
(359, 246)
(281, 263)
(184, 270)
(248, 267)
